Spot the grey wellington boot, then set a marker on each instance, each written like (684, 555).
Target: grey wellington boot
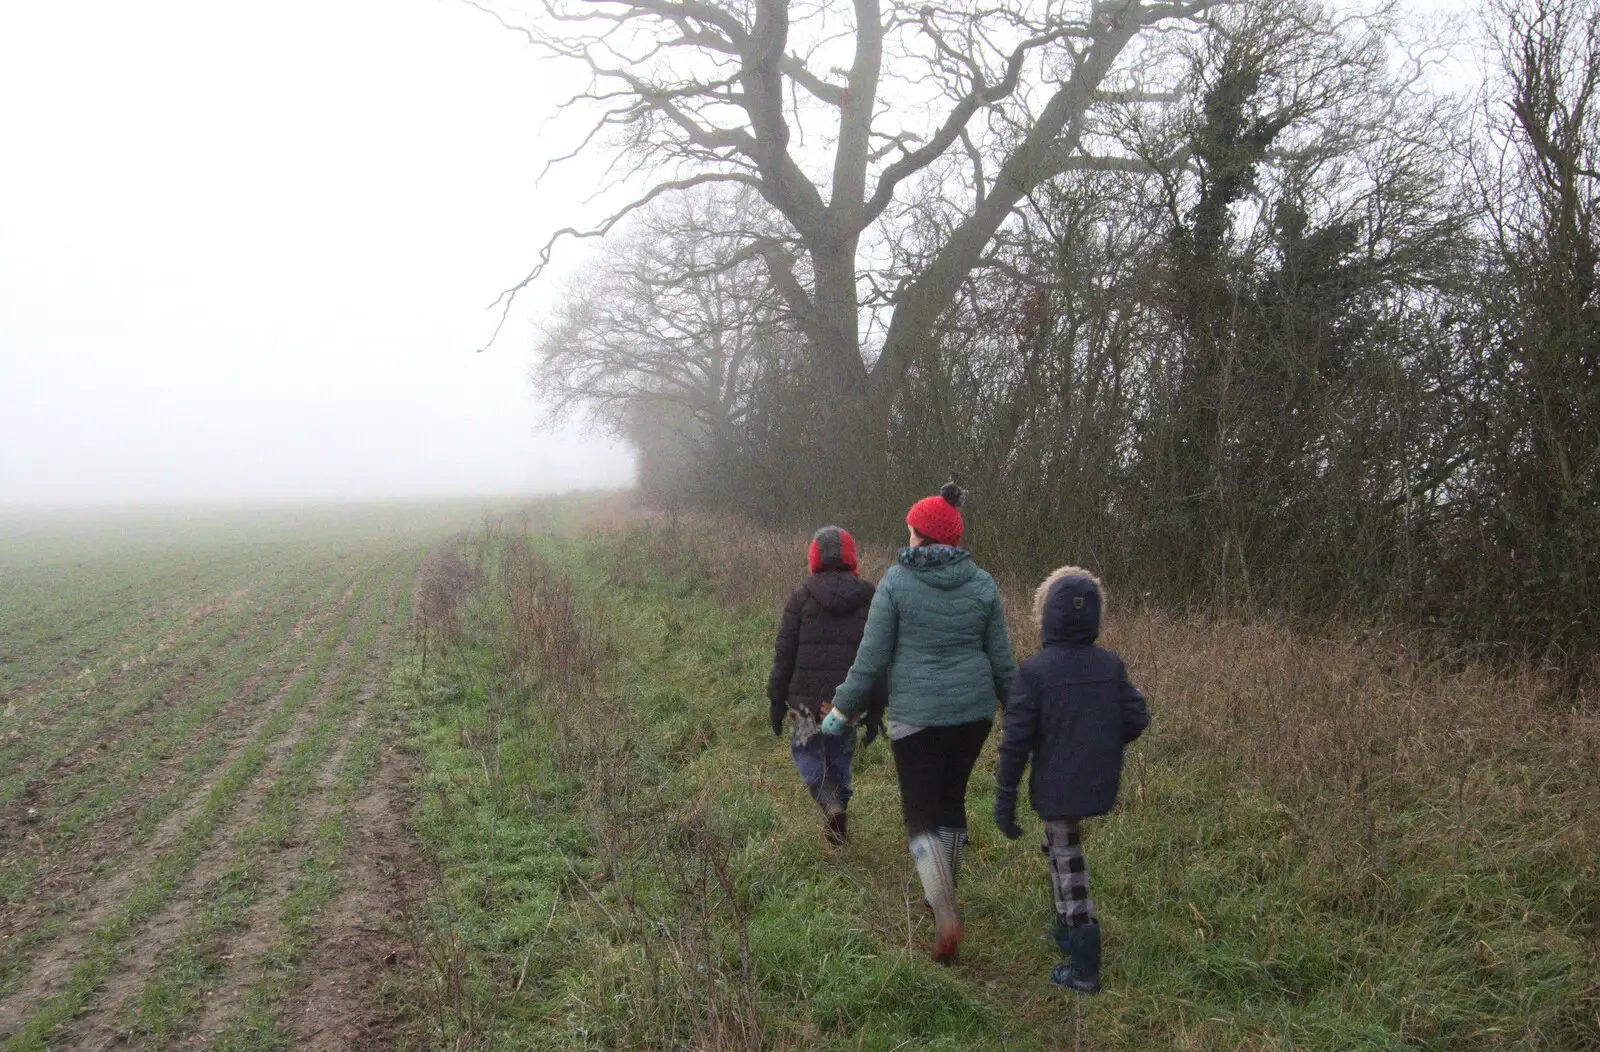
(952, 844)
(955, 846)
(940, 893)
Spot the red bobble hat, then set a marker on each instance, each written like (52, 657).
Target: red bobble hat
(832, 549)
(938, 518)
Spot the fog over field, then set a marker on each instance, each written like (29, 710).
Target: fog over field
(246, 251)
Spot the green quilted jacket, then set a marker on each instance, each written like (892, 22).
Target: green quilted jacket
(937, 628)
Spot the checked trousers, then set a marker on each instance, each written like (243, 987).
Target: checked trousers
(1069, 872)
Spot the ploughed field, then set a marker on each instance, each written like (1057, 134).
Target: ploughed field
(199, 832)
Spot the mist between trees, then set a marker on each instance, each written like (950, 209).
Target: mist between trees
(1221, 299)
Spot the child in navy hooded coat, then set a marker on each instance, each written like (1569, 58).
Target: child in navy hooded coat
(1072, 710)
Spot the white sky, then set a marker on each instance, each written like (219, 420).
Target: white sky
(245, 251)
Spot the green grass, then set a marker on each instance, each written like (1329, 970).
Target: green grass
(580, 905)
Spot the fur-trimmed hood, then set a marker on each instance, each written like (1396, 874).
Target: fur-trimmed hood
(1067, 606)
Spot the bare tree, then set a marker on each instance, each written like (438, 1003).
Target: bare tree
(846, 119)
(1528, 527)
(659, 328)
(649, 321)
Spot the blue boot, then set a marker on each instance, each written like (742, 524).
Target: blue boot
(1081, 945)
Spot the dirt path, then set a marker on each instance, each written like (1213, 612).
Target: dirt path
(365, 932)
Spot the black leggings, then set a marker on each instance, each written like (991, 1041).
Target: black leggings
(933, 766)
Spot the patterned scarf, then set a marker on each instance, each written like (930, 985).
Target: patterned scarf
(930, 556)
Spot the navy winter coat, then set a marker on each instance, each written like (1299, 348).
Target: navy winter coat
(1072, 710)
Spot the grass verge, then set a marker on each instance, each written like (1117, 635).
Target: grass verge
(1323, 844)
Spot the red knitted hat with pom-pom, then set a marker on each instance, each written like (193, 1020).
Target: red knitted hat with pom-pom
(832, 549)
(938, 518)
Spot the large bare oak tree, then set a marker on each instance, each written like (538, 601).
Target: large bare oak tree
(892, 143)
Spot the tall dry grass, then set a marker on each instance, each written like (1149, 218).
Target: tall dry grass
(443, 582)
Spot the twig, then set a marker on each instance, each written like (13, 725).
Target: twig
(908, 914)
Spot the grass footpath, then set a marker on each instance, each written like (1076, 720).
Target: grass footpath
(1314, 850)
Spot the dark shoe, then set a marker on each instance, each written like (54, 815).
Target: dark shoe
(1081, 945)
(837, 828)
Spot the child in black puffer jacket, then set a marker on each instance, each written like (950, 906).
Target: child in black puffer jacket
(817, 641)
(1072, 710)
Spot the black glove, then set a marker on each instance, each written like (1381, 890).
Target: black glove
(1005, 812)
(777, 711)
(874, 728)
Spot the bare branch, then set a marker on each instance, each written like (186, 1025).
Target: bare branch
(506, 298)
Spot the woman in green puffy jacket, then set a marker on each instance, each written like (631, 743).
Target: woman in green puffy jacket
(937, 628)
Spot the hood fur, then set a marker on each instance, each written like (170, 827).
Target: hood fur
(1042, 593)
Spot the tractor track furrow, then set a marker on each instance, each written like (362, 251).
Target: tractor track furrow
(68, 871)
(75, 965)
(247, 946)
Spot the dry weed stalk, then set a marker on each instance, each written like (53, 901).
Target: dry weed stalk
(565, 702)
(442, 582)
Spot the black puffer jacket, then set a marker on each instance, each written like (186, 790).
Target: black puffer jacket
(817, 641)
(1072, 709)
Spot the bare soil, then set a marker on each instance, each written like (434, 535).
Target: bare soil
(360, 937)
(366, 931)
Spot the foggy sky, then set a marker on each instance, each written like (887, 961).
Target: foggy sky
(245, 251)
